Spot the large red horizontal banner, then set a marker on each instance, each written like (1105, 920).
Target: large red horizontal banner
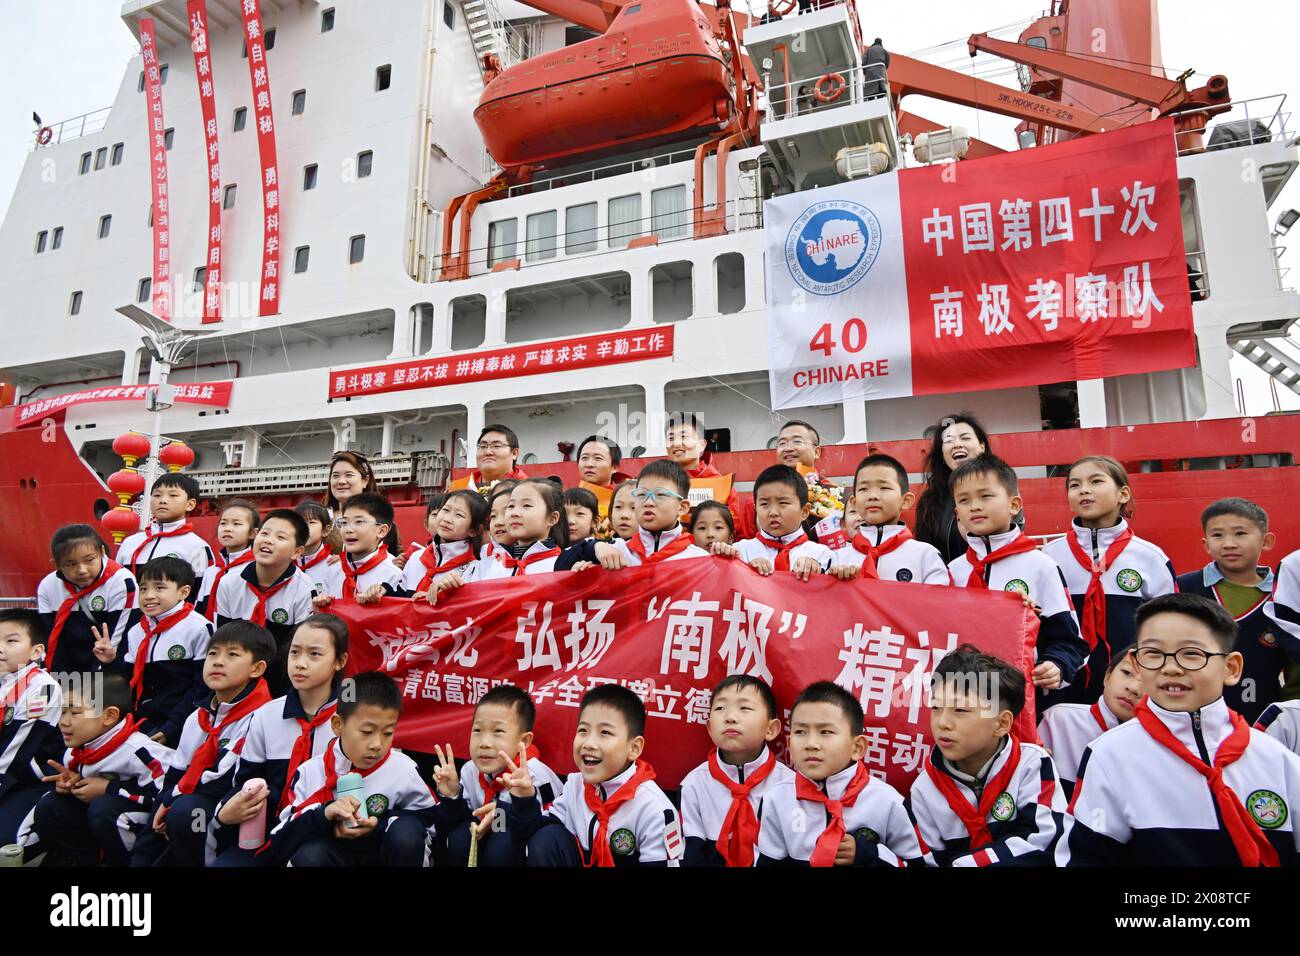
(670, 632)
(536, 358)
(1058, 263)
(195, 393)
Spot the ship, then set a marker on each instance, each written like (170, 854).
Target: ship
(469, 195)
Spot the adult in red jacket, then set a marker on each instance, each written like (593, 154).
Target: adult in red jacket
(686, 444)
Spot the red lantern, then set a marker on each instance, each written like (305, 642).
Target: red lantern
(126, 484)
(132, 447)
(176, 455)
(120, 522)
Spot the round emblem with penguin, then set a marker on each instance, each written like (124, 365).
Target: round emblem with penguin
(280, 616)
(1267, 809)
(1129, 580)
(97, 603)
(904, 574)
(1004, 807)
(623, 841)
(1019, 586)
(176, 653)
(376, 804)
(866, 833)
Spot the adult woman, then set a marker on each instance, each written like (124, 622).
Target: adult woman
(351, 474)
(957, 438)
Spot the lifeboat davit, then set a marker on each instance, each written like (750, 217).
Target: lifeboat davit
(657, 74)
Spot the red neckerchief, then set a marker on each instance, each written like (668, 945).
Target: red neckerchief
(491, 789)
(429, 558)
(1095, 710)
(828, 843)
(675, 546)
(150, 535)
(514, 474)
(222, 567)
(1093, 618)
(16, 691)
(414, 546)
(873, 553)
(782, 560)
(1018, 545)
(975, 819)
(521, 566)
(1252, 846)
(301, 752)
(109, 569)
(322, 554)
(81, 756)
(146, 644)
(262, 595)
(206, 755)
(703, 470)
(352, 574)
(325, 795)
(604, 809)
(739, 833)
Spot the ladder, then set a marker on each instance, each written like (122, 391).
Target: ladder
(1272, 360)
(487, 30)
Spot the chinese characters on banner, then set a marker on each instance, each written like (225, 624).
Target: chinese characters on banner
(676, 630)
(162, 294)
(269, 297)
(1054, 264)
(534, 359)
(195, 393)
(198, 14)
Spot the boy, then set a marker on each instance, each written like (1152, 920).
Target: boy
(169, 534)
(780, 507)
(317, 552)
(1281, 721)
(162, 656)
(611, 812)
(367, 572)
(832, 812)
(1187, 782)
(722, 799)
(30, 704)
(272, 592)
(503, 724)
(583, 511)
(86, 588)
(883, 547)
(1067, 729)
(1235, 536)
(108, 781)
(686, 444)
(204, 762)
(798, 444)
(984, 797)
(391, 827)
(1000, 556)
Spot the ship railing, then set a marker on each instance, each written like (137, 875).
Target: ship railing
(428, 470)
(601, 172)
(1266, 119)
(8, 603)
(787, 98)
(1280, 270)
(74, 128)
(1197, 278)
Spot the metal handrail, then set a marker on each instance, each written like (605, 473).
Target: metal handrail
(69, 129)
(798, 98)
(600, 172)
(1274, 119)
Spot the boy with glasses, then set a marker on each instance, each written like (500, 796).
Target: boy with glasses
(367, 571)
(660, 500)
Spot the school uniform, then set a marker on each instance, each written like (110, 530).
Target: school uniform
(395, 794)
(426, 566)
(1140, 801)
(223, 563)
(70, 614)
(786, 551)
(644, 547)
(171, 539)
(625, 821)
(314, 566)
(1066, 730)
(1284, 606)
(1129, 572)
(1010, 562)
(104, 830)
(805, 821)
(31, 703)
(1281, 721)
(1011, 813)
(163, 660)
(351, 577)
(279, 608)
(888, 552)
(719, 829)
(538, 558)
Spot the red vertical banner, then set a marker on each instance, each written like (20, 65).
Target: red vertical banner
(269, 297)
(198, 15)
(162, 298)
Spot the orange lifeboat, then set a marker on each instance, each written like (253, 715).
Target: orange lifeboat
(657, 74)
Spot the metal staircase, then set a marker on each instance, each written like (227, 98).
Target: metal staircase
(1272, 360)
(487, 30)
(428, 470)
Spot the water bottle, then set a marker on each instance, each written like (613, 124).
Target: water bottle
(351, 785)
(252, 833)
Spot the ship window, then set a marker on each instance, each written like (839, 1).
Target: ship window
(169, 137)
(1037, 42)
(541, 228)
(448, 14)
(729, 269)
(300, 257)
(162, 74)
(269, 37)
(365, 161)
(143, 288)
(105, 224)
(116, 158)
(502, 238)
(101, 157)
(468, 322)
(200, 278)
(140, 87)
(150, 222)
(309, 177)
(383, 77)
(74, 306)
(628, 11)
(574, 35)
(624, 220)
(327, 20)
(85, 163)
(356, 249)
(299, 102)
(668, 212)
(580, 228)
(56, 238)
(41, 238)
(228, 201)
(672, 291)
(241, 118)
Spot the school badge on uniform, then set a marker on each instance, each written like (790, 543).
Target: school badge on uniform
(904, 574)
(1004, 807)
(280, 616)
(1267, 809)
(623, 841)
(1019, 586)
(176, 653)
(376, 805)
(97, 603)
(866, 833)
(1129, 580)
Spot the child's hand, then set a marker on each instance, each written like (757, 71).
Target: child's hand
(343, 810)
(1032, 605)
(583, 565)
(158, 738)
(322, 600)
(445, 776)
(400, 561)
(610, 557)
(63, 780)
(334, 559)
(104, 650)
(518, 781)
(762, 566)
(846, 852)
(804, 568)
(487, 815)
(240, 808)
(1047, 676)
(371, 595)
(844, 572)
(159, 824)
(88, 789)
(365, 826)
(723, 550)
(448, 582)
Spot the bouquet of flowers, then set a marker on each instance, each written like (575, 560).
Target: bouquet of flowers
(825, 499)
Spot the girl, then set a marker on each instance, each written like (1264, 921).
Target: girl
(711, 521)
(86, 588)
(235, 532)
(458, 528)
(582, 512)
(1108, 570)
(320, 546)
(622, 511)
(538, 534)
(957, 439)
(497, 504)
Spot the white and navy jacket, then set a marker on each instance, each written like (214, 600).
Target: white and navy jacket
(188, 547)
(768, 546)
(1281, 721)
(649, 818)
(285, 609)
(706, 802)
(452, 812)
(1137, 803)
(1035, 575)
(385, 572)
(223, 560)
(1025, 821)
(652, 541)
(878, 821)
(29, 729)
(135, 768)
(110, 604)
(1284, 608)
(315, 569)
(491, 566)
(393, 787)
(215, 782)
(173, 674)
(912, 561)
(1066, 730)
(415, 570)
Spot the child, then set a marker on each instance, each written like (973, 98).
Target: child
(984, 798)
(1109, 571)
(169, 534)
(1236, 535)
(611, 812)
(235, 530)
(431, 509)
(1000, 556)
(780, 507)
(1281, 720)
(1187, 782)
(318, 550)
(883, 547)
(722, 798)
(108, 782)
(204, 762)
(87, 588)
(851, 522)
(538, 534)
(272, 592)
(832, 812)
(1067, 729)
(366, 572)
(391, 827)
(622, 511)
(30, 704)
(498, 503)
(710, 522)
(582, 511)
(286, 733)
(686, 444)
(162, 656)
(457, 528)
(503, 725)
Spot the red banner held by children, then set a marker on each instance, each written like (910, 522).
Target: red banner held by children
(198, 14)
(675, 631)
(269, 296)
(162, 294)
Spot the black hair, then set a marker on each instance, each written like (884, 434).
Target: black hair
(1209, 613)
(436, 502)
(665, 469)
(73, 534)
(621, 700)
(335, 625)
(720, 508)
(1240, 507)
(502, 487)
(582, 498)
(553, 499)
(248, 636)
(114, 691)
(828, 692)
(501, 430)
(371, 689)
(677, 419)
(480, 511)
(783, 475)
(882, 461)
(29, 621)
(300, 530)
(373, 504)
(968, 660)
(174, 479)
(817, 438)
(749, 681)
(935, 503)
(517, 699)
(982, 465)
(246, 505)
(1118, 655)
(174, 570)
(615, 453)
(314, 511)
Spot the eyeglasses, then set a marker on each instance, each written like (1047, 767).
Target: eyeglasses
(648, 496)
(493, 445)
(344, 523)
(1188, 658)
(785, 443)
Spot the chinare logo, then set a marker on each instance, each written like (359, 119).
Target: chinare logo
(78, 910)
(832, 245)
